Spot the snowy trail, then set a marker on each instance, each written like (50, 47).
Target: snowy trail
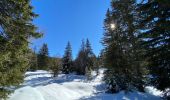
(40, 85)
(27, 93)
(66, 91)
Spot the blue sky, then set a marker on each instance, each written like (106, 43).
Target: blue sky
(70, 20)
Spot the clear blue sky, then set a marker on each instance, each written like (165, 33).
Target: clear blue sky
(70, 20)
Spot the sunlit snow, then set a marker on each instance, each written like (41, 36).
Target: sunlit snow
(40, 85)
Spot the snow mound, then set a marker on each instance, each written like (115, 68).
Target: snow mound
(27, 93)
(153, 91)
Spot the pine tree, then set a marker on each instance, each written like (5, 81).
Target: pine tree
(83, 46)
(43, 58)
(80, 60)
(155, 26)
(126, 69)
(33, 60)
(90, 55)
(85, 59)
(90, 59)
(67, 61)
(16, 29)
(89, 49)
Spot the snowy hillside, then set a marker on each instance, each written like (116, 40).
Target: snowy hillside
(40, 85)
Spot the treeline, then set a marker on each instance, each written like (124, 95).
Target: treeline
(137, 45)
(42, 61)
(85, 62)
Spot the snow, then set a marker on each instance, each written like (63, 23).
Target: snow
(27, 93)
(153, 91)
(40, 85)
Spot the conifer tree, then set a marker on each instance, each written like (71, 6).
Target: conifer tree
(16, 29)
(90, 55)
(80, 60)
(126, 69)
(43, 58)
(85, 59)
(90, 59)
(88, 48)
(155, 26)
(67, 61)
(33, 60)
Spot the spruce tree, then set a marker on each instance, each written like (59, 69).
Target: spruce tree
(67, 61)
(16, 29)
(33, 62)
(125, 68)
(90, 55)
(155, 26)
(80, 61)
(85, 59)
(88, 48)
(43, 58)
(90, 59)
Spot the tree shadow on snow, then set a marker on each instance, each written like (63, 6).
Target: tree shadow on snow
(67, 78)
(122, 96)
(42, 79)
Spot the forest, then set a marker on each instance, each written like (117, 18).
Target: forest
(135, 54)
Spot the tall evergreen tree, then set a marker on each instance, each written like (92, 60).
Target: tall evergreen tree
(90, 55)
(155, 26)
(80, 60)
(126, 69)
(67, 61)
(43, 58)
(16, 29)
(88, 48)
(90, 59)
(85, 59)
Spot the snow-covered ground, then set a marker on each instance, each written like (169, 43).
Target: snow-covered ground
(40, 85)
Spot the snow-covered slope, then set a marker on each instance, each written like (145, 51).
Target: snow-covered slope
(40, 85)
